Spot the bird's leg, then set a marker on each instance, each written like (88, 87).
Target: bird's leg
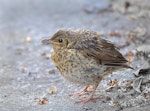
(85, 90)
(91, 97)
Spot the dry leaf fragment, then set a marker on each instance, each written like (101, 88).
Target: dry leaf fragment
(129, 59)
(130, 36)
(113, 83)
(52, 90)
(42, 100)
(127, 83)
(116, 34)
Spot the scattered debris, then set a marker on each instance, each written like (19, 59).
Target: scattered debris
(107, 98)
(115, 34)
(23, 69)
(32, 72)
(86, 108)
(43, 54)
(20, 50)
(129, 53)
(132, 17)
(127, 83)
(129, 59)
(47, 56)
(51, 71)
(113, 83)
(129, 36)
(42, 100)
(127, 5)
(52, 90)
(27, 40)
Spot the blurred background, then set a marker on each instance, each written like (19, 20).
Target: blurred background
(26, 70)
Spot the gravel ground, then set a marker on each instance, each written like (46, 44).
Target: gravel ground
(29, 80)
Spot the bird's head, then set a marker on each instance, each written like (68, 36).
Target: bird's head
(61, 39)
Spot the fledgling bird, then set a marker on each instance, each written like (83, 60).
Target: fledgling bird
(81, 56)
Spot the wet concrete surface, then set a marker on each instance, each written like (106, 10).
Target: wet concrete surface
(27, 71)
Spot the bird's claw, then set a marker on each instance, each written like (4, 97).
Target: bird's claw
(86, 99)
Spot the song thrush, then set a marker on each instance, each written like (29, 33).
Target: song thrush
(83, 57)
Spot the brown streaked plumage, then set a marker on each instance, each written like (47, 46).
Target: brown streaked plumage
(83, 57)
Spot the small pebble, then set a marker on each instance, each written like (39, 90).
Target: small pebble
(52, 71)
(27, 39)
(23, 69)
(113, 102)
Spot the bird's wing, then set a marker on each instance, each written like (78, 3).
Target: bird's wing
(101, 50)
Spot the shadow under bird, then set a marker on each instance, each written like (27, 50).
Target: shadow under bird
(82, 57)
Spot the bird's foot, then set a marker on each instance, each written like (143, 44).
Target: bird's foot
(76, 93)
(80, 93)
(86, 99)
(86, 90)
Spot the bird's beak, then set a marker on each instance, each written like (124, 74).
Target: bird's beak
(46, 41)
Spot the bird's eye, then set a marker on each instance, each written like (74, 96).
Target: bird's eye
(60, 40)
